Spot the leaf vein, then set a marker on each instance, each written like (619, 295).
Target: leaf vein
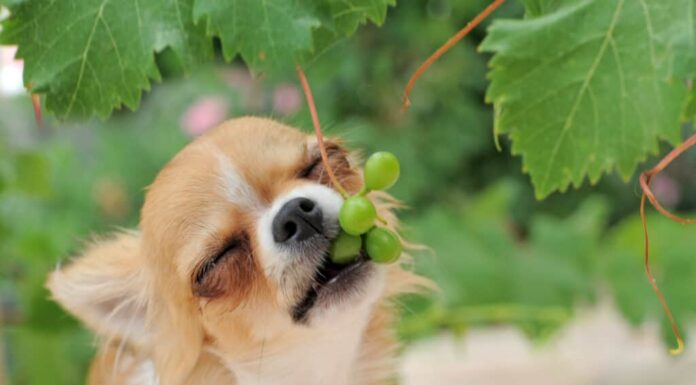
(588, 78)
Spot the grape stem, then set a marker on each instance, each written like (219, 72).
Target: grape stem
(406, 101)
(645, 179)
(317, 130)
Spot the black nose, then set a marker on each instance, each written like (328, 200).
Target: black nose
(297, 220)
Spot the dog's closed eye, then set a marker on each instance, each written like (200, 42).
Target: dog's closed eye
(214, 261)
(311, 168)
(314, 169)
(231, 262)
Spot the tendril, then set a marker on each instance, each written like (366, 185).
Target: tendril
(406, 102)
(317, 130)
(645, 179)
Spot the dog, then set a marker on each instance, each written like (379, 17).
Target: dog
(228, 280)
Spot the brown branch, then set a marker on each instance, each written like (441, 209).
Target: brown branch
(317, 130)
(406, 103)
(645, 179)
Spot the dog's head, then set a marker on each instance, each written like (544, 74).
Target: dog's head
(232, 250)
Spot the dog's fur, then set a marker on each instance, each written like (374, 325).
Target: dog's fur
(164, 322)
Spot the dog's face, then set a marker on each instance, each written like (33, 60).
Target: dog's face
(233, 249)
(245, 217)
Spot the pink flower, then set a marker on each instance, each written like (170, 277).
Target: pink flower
(203, 115)
(286, 99)
(248, 87)
(666, 190)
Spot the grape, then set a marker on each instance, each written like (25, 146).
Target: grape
(382, 245)
(357, 215)
(381, 171)
(345, 248)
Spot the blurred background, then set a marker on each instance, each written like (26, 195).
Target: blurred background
(549, 292)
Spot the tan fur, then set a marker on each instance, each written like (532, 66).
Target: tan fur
(135, 290)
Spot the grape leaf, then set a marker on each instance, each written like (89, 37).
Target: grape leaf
(348, 15)
(685, 45)
(266, 33)
(340, 18)
(535, 8)
(279, 33)
(587, 86)
(91, 56)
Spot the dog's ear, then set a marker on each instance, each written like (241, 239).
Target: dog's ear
(105, 287)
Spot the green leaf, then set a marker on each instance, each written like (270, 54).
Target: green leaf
(587, 86)
(685, 34)
(266, 33)
(340, 18)
(535, 8)
(92, 56)
(348, 15)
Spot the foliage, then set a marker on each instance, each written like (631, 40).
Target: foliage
(574, 104)
(487, 275)
(90, 57)
(584, 86)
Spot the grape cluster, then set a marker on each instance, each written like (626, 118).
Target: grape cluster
(358, 215)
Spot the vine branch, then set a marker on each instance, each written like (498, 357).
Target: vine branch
(317, 130)
(645, 179)
(406, 103)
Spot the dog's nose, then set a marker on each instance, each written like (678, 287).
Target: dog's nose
(297, 220)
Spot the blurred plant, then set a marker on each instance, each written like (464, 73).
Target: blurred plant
(490, 273)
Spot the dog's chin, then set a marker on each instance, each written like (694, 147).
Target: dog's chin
(334, 286)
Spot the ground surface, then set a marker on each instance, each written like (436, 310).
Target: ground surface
(597, 348)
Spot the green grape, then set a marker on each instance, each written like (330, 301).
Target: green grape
(345, 248)
(381, 171)
(382, 245)
(357, 215)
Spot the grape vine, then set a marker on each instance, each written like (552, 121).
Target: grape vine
(645, 179)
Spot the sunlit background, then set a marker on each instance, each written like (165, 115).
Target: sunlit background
(532, 292)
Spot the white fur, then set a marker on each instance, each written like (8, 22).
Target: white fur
(235, 188)
(145, 374)
(325, 354)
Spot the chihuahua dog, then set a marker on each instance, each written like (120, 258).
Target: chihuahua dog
(228, 279)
